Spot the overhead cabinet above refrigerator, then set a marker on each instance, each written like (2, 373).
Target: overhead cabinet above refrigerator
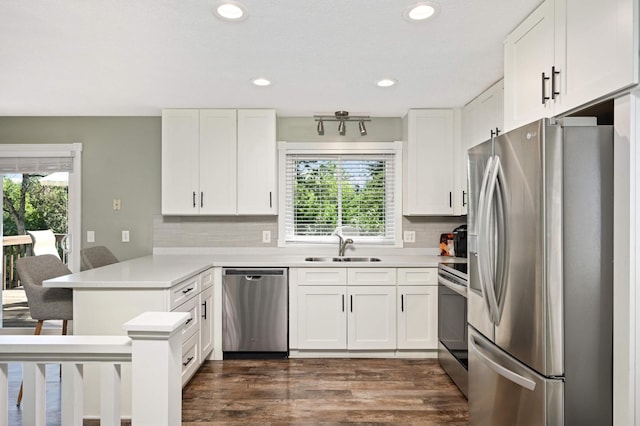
(568, 53)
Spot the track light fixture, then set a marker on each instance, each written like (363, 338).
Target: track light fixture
(342, 117)
(363, 130)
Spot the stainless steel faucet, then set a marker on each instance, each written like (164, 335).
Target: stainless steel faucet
(342, 244)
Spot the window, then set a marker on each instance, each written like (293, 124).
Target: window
(352, 189)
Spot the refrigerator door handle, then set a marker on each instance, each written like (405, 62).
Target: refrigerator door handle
(502, 239)
(486, 245)
(482, 237)
(503, 371)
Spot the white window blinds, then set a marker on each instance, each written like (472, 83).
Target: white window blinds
(354, 193)
(35, 165)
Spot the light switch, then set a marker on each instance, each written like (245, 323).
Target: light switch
(125, 236)
(117, 204)
(266, 236)
(409, 236)
(91, 236)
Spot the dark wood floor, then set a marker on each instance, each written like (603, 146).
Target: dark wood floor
(323, 391)
(295, 392)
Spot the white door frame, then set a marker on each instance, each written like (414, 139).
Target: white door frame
(74, 218)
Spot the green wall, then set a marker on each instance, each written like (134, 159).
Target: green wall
(121, 159)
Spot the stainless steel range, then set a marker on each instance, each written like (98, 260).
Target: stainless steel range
(452, 322)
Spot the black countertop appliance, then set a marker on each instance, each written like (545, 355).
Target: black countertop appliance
(460, 241)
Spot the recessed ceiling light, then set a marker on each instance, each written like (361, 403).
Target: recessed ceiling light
(420, 11)
(385, 82)
(261, 81)
(231, 11)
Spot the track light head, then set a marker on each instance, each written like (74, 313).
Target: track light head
(342, 129)
(363, 130)
(320, 127)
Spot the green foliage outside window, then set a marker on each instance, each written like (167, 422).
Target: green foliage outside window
(29, 205)
(332, 193)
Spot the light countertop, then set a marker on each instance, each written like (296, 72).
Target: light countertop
(166, 270)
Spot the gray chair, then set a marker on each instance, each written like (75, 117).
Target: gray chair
(45, 303)
(96, 256)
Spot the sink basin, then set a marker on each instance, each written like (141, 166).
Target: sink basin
(342, 259)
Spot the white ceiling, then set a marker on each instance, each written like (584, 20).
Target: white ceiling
(134, 57)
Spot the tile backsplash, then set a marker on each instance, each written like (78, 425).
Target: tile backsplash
(246, 231)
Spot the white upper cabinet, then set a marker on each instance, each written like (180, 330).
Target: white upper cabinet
(218, 182)
(257, 162)
(568, 53)
(598, 48)
(528, 60)
(482, 118)
(180, 152)
(218, 162)
(429, 162)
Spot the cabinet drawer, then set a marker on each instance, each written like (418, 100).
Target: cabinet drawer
(193, 324)
(322, 276)
(418, 276)
(371, 276)
(190, 358)
(184, 291)
(206, 279)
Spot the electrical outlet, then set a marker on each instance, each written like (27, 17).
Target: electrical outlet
(266, 236)
(409, 236)
(125, 236)
(91, 236)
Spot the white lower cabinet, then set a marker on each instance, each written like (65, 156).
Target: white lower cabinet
(372, 317)
(417, 308)
(322, 319)
(195, 295)
(364, 309)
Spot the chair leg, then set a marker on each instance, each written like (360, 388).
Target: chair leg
(36, 333)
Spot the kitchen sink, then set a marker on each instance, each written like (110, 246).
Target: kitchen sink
(342, 259)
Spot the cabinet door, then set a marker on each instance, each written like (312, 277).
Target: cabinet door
(529, 51)
(490, 112)
(596, 43)
(418, 317)
(206, 322)
(429, 160)
(217, 161)
(257, 162)
(470, 136)
(180, 172)
(372, 317)
(322, 320)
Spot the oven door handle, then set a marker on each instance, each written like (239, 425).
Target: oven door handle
(458, 288)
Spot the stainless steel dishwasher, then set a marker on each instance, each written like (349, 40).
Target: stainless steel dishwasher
(255, 313)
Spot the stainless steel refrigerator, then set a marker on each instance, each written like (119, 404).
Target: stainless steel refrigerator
(541, 279)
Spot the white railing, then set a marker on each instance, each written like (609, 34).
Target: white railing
(153, 347)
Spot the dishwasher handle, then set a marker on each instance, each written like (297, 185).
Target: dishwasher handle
(253, 274)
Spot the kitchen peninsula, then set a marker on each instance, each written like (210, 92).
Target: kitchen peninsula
(105, 298)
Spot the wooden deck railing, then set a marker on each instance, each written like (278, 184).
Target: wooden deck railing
(15, 247)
